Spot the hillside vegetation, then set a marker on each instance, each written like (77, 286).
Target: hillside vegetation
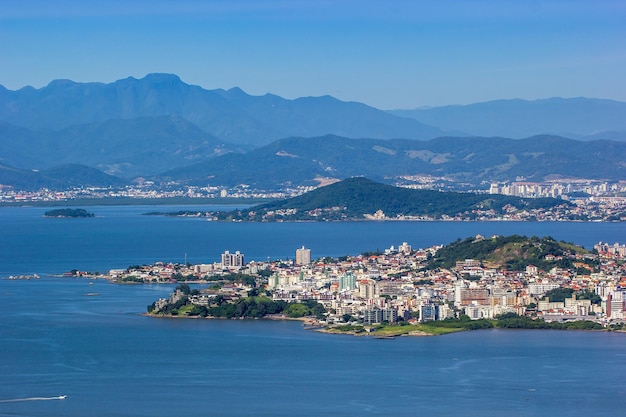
(357, 198)
(511, 252)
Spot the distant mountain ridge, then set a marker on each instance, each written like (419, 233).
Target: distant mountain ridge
(162, 128)
(122, 147)
(58, 178)
(296, 161)
(232, 115)
(576, 118)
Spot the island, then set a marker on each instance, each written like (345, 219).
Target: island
(68, 213)
(473, 283)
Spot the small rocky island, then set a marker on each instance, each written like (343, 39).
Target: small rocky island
(68, 213)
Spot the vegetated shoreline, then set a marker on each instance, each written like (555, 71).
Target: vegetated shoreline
(308, 323)
(383, 331)
(390, 219)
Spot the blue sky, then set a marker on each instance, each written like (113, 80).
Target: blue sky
(388, 54)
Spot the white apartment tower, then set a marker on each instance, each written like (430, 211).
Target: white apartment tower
(232, 260)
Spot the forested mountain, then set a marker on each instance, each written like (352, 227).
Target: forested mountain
(302, 160)
(58, 178)
(122, 147)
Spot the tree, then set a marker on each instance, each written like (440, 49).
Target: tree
(559, 294)
(184, 288)
(296, 310)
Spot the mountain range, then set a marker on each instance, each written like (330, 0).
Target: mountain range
(162, 128)
(230, 115)
(576, 118)
(122, 147)
(296, 161)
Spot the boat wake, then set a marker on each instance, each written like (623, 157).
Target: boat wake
(18, 400)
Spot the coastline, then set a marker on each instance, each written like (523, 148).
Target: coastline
(311, 323)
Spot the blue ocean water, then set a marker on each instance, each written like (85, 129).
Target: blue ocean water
(121, 236)
(88, 340)
(59, 338)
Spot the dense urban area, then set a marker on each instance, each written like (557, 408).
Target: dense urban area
(400, 286)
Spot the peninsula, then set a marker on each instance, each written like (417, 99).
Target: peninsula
(475, 283)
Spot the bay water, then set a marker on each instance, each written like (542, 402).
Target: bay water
(87, 340)
(121, 236)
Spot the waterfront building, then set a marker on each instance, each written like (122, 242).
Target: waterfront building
(205, 269)
(390, 315)
(429, 312)
(615, 305)
(372, 315)
(303, 256)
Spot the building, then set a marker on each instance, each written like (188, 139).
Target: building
(368, 289)
(474, 296)
(405, 248)
(615, 305)
(429, 312)
(347, 282)
(303, 256)
(390, 315)
(232, 260)
(372, 315)
(539, 288)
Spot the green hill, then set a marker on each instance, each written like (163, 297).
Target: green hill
(357, 198)
(511, 252)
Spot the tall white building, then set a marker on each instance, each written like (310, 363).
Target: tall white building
(232, 260)
(303, 256)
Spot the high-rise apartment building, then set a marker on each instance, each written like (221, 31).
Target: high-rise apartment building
(232, 260)
(303, 256)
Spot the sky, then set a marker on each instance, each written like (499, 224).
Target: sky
(392, 54)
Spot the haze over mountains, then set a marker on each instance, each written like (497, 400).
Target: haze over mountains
(232, 115)
(576, 118)
(165, 129)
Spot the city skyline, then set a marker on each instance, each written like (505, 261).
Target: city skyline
(392, 55)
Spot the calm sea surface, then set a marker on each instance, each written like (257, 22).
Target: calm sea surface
(121, 236)
(87, 340)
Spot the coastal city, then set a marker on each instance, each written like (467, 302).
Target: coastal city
(397, 284)
(588, 200)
